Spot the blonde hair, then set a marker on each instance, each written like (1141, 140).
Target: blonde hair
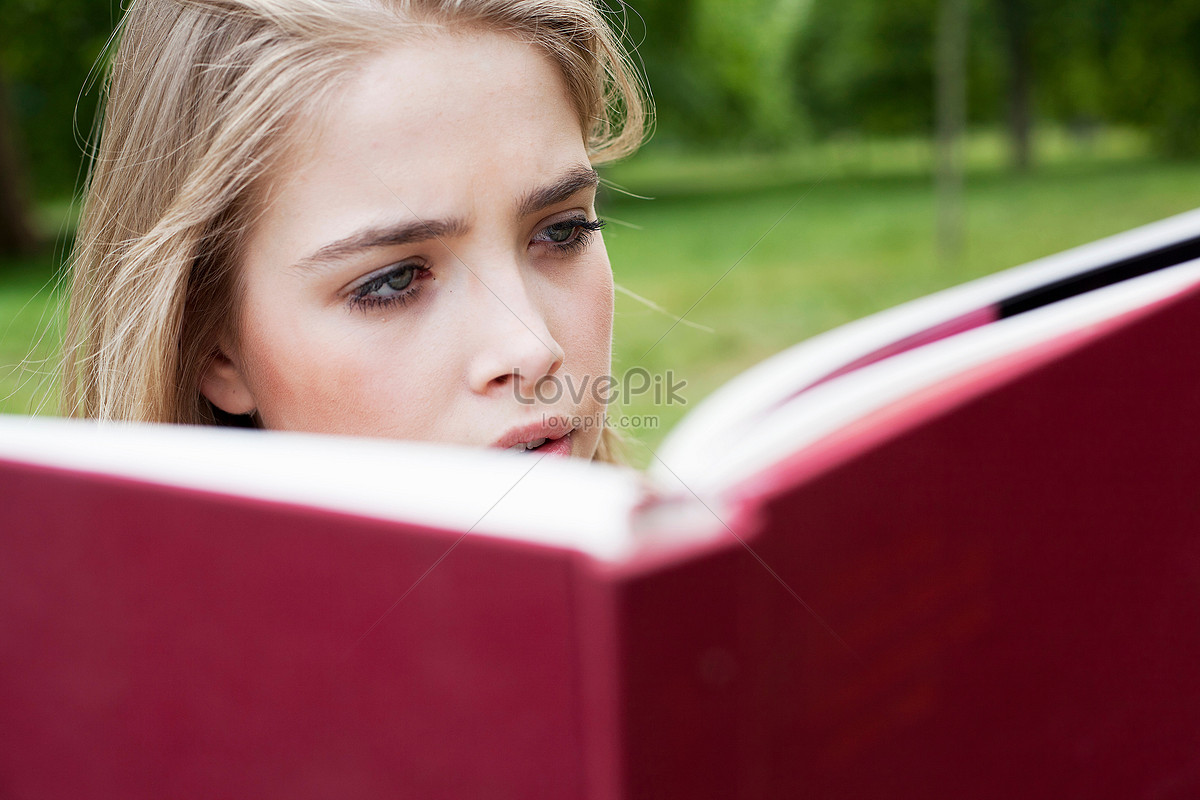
(203, 96)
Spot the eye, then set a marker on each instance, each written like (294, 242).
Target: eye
(398, 283)
(568, 234)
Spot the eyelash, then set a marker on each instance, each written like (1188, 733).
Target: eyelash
(363, 297)
(582, 228)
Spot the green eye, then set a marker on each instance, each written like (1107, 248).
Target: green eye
(561, 232)
(398, 285)
(398, 281)
(568, 235)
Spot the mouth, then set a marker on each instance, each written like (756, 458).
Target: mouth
(552, 438)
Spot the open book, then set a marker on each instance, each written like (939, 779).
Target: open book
(948, 550)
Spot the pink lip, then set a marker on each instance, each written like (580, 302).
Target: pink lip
(556, 431)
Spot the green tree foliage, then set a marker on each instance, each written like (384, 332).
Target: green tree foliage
(1153, 67)
(720, 70)
(49, 48)
(746, 73)
(866, 66)
(1119, 61)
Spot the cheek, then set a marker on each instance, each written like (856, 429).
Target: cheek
(337, 373)
(593, 320)
(589, 320)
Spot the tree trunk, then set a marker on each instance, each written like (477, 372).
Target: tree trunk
(951, 100)
(1014, 18)
(17, 236)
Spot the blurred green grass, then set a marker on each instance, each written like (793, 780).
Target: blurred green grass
(851, 244)
(29, 335)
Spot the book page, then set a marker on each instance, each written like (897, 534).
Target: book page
(826, 408)
(524, 497)
(740, 410)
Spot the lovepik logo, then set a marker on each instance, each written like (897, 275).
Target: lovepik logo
(637, 382)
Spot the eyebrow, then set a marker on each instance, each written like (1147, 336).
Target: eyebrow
(384, 236)
(573, 180)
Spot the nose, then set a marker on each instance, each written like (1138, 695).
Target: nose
(516, 348)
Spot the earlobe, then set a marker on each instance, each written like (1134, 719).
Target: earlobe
(225, 386)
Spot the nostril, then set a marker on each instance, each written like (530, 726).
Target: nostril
(508, 383)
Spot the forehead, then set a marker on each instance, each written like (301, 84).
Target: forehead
(437, 123)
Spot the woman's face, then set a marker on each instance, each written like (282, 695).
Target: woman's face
(428, 268)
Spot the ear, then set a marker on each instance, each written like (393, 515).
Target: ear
(225, 386)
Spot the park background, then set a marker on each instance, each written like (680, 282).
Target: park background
(813, 161)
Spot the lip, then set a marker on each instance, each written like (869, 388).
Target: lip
(553, 430)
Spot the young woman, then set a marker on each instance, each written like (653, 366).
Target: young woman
(370, 217)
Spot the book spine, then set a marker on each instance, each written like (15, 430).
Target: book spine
(663, 682)
(599, 649)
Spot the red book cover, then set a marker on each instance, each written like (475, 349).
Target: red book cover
(948, 552)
